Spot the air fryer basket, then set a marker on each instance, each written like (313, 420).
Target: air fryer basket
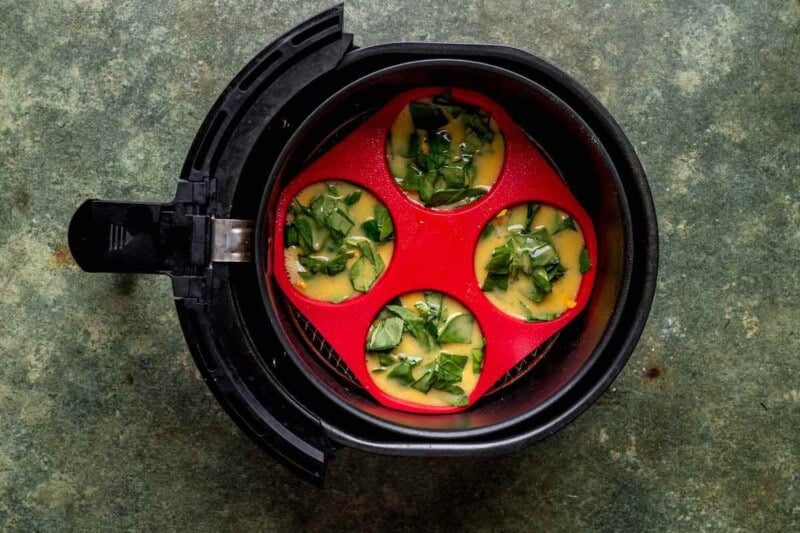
(585, 166)
(271, 373)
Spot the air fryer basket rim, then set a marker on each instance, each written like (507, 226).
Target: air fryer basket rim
(261, 237)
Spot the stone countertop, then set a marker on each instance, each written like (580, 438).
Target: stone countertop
(105, 423)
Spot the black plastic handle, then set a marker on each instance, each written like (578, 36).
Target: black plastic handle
(116, 236)
(145, 238)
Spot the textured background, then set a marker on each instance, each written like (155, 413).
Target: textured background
(105, 423)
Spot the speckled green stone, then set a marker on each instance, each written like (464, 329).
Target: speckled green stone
(105, 423)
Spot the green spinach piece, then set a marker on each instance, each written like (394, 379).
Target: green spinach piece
(536, 294)
(418, 327)
(530, 316)
(305, 232)
(352, 198)
(363, 274)
(331, 214)
(386, 358)
(563, 223)
(385, 334)
(290, 236)
(445, 370)
(453, 176)
(380, 228)
(495, 282)
(338, 263)
(500, 261)
(584, 264)
(541, 279)
(403, 372)
(339, 223)
(427, 116)
(458, 329)
(435, 300)
(424, 333)
(452, 196)
(371, 255)
(477, 360)
(406, 314)
(460, 399)
(313, 264)
(532, 209)
(412, 180)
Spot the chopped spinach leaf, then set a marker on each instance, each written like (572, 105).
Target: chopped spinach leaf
(445, 370)
(371, 230)
(453, 196)
(368, 252)
(434, 300)
(380, 228)
(563, 223)
(419, 327)
(305, 231)
(338, 263)
(530, 316)
(532, 209)
(453, 176)
(406, 314)
(536, 294)
(458, 329)
(384, 220)
(477, 360)
(384, 334)
(422, 332)
(424, 310)
(290, 236)
(313, 264)
(412, 180)
(403, 372)
(495, 282)
(352, 198)
(427, 116)
(425, 382)
(543, 317)
(500, 262)
(338, 222)
(583, 261)
(541, 279)
(363, 274)
(460, 399)
(386, 359)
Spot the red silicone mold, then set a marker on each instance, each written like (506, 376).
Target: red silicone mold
(433, 250)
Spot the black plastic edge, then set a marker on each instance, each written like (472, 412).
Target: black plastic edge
(289, 433)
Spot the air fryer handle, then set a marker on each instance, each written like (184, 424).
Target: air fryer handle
(117, 237)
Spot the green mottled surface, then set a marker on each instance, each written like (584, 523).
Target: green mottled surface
(105, 424)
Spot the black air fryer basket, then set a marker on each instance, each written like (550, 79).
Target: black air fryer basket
(266, 364)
